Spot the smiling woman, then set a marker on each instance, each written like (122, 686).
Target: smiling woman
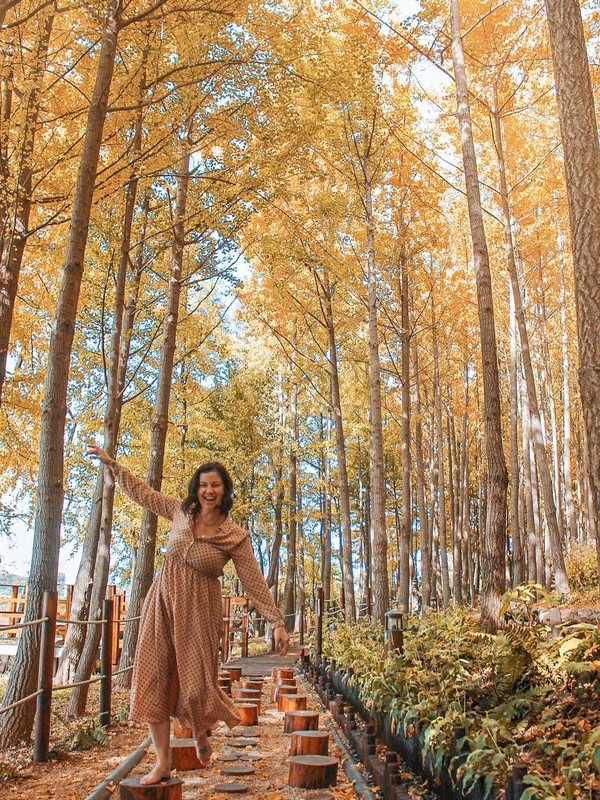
(176, 664)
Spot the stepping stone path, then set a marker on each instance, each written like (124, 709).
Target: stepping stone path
(256, 760)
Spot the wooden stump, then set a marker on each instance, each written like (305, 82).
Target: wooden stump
(312, 772)
(300, 721)
(248, 713)
(231, 787)
(183, 755)
(247, 694)
(309, 743)
(169, 789)
(288, 681)
(286, 672)
(248, 684)
(291, 702)
(279, 689)
(181, 730)
(235, 673)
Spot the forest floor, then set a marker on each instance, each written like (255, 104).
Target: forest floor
(73, 772)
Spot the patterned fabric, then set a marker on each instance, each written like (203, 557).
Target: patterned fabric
(176, 662)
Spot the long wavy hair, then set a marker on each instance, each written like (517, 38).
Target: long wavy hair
(191, 504)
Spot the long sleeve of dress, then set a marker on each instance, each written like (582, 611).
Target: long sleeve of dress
(254, 583)
(144, 495)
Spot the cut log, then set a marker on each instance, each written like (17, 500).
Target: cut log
(291, 702)
(239, 769)
(254, 684)
(309, 743)
(312, 772)
(288, 681)
(234, 672)
(181, 730)
(286, 672)
(279, 688)
(167, 789)
(300, 721)
(183, 755)
(248, 713)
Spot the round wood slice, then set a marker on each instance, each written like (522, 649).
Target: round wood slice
(168, 789)
(251, 756)
(300, 721)
(241, 731)
(248, 713)
(228, 757)
(312, 772)
(233, 787)
(309, 743)
(241, 742)
(239, 769)
(291, 702)
(183, 755)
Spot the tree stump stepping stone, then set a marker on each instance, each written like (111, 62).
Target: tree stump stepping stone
(231, 787)
(228, 757)
(251, 756)
(248, 732)
(248, 713)
(279, 689)
(248, 684)
(235, 673)
(239, 769)
(300, 721)
(312, 772)
(182, 731)
(167, 789)
(291, 702)
(243, 742)
(286, 672)
(309, 743)
(183, 755)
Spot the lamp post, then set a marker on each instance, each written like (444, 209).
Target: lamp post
(394, 630)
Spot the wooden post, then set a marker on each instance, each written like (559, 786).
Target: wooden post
(106, 662)
(45, 674)
(291, 702)
(225, 631)
(319, 623)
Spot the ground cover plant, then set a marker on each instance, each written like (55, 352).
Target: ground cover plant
(520, 696)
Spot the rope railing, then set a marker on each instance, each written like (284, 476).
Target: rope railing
(20, 702)
(18, 625)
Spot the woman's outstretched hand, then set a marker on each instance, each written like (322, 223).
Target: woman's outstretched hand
(282, 640)
(97, 452)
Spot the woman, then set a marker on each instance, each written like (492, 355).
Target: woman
(176, 662)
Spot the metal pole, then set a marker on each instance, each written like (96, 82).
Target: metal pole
(106, 662)
(43, 709)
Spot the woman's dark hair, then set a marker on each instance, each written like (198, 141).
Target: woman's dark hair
(191, 505)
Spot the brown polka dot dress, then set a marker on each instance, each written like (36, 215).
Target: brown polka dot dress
(176, 662)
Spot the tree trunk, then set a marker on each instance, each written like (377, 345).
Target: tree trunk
(579, 131)
(379, 574)
(326, 514)
(441, 475)
(290, 572)
(541, 456)
(17, 230)
(340, 448)
(566, 392)
(17, 723)
(101, 514)
(404, 582)
(517, 550)
(146, 551)
(493, 549)
(425, 539)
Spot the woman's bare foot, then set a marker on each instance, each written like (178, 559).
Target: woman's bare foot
(156, 775)
(203, 749)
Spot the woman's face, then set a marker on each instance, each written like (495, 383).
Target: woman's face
(210, 491)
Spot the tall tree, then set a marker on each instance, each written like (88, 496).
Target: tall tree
(17, 723)
(494, 541)
(579, 132)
